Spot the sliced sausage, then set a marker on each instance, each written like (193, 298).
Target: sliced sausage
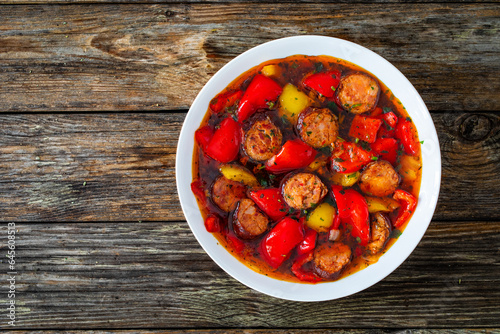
(330, 258)
(318, 127)
(380, 231)
(358, 93)
(379, 179)
(227, 193)
(303, 190)
(262, 140)
(248, 221)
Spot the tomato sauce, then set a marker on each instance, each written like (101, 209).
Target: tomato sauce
(294, 70)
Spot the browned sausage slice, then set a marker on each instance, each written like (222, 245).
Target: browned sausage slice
(303, 190)
(330, 258)
(248, 221)
(358, 93)
(227, 193)
(318, 127)
(380, 231)
(262, 140)
(379, 179)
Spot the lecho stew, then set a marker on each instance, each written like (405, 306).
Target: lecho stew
(306, 168)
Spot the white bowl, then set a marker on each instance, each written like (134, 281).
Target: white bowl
(401, 88)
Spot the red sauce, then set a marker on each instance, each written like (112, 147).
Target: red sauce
(293, 70)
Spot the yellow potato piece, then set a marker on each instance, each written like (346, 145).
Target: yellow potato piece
(239, 174)
(321, 218)
(379, 204)
(410, 168)
(293, 101)
(318, 163)
(345, 180)
(271, 70)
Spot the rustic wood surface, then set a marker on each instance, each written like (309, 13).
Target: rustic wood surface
(120, 167)
(155, 275)
(92, 98)
(157, 57)
(274, 331)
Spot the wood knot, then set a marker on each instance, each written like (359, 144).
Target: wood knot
(475, 127)
(169, 13)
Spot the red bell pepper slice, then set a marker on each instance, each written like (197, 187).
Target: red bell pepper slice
(353, 211)
(385, 133)
(224, 145)
(339, 196)
(225, 100)
(349, 157)
(365, 128)
(407, 134)
(212, 224)
(203, 136)
(308, 243)
(390, 119)
(198, 189)
(359, 217)
(408, 204)
(376, 112)
(279, 242)
(325, 83)
(234, 243)
(300, 273)
(334, 231)
(294, 154)
(270, 201)
(336, 222)
(261, 93)
(388, 129)
(386, 149)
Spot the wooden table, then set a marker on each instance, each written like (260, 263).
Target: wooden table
(93, 94)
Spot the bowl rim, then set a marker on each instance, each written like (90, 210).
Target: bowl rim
(400, 87)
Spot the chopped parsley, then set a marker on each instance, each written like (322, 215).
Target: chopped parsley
(332, 106)
(318, 67)
(395, 234)
(365, 146)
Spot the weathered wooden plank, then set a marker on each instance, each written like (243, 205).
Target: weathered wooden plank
(72, 2)
(158, 56)
(155, 275)
(121, 167)
(276, 331)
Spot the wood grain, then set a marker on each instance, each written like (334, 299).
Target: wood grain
(121, 167)
(93, 96)
(155, 275)
(158, 56)
(72, 2)
(274, 331)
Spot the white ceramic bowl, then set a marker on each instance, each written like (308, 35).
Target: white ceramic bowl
(401, 88)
